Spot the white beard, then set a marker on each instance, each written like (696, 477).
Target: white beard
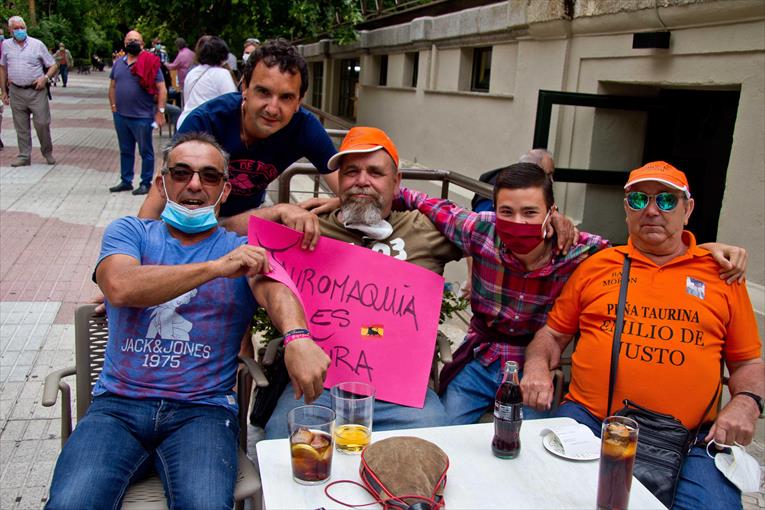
(365, 215)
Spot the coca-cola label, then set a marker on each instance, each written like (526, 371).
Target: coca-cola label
(508, 412)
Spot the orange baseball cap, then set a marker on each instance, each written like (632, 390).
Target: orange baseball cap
(662, 172)
(364, 139)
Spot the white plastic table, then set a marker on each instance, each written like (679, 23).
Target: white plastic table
(476, 479)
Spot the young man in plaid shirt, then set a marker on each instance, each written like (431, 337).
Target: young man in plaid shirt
(517, 273)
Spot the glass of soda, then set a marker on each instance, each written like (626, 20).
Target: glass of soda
(619, 436)
(311, 429)
(354, 404)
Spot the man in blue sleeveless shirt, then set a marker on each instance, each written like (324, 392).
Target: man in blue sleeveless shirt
(180, 293)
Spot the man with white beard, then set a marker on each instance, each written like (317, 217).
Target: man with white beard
(369, 179)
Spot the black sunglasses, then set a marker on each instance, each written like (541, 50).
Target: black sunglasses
(184, 174)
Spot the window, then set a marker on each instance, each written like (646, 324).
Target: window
(317, 83)
(383, 64)
(412, 68)
(349, 79)
(479, 81)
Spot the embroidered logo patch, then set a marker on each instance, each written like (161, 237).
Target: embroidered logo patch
(695, 287)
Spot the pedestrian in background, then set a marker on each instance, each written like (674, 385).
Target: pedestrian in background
(135, 80)
(209, 79)
(23, 64)
(183, 61)
(63, 59)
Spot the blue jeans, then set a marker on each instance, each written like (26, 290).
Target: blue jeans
(386, 416)
(132, 130)
(472, 391)
(63, 69)
(701, 484)
(192, 447)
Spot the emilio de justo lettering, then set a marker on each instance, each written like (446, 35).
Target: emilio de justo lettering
(657, 324)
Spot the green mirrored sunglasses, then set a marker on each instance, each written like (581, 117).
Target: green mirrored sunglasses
(665, 201)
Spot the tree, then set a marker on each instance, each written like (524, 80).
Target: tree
(87, 26)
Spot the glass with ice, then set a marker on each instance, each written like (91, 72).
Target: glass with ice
(311, 431)
(619, 436)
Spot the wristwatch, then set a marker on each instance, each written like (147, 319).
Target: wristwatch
(753, 396)
(161, 110)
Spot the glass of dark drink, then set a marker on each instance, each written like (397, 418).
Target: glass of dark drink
(619, 436)
(311, 443)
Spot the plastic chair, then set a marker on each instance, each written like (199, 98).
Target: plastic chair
(91, 336)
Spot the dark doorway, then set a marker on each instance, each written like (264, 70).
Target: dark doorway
(690, 129)
(694, 132)
(349, 79)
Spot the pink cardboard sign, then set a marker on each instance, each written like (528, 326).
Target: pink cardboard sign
(376, 317)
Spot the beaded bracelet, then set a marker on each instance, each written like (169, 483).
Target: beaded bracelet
(296, 334)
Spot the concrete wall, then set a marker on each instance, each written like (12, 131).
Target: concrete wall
(715, 45)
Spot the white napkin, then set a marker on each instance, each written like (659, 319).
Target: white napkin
(575, 438)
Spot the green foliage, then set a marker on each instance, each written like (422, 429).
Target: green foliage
(53, 30)
(261, 323)
(451, 304)
(84, 26)
(88, 26)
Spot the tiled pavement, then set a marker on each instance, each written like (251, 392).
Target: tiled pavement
(51, 222)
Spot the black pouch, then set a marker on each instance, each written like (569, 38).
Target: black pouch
(663, 444)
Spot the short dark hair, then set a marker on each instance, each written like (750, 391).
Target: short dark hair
(525, 175)
(212, 51)
(278, 52)
(180, 43)
(193, 136)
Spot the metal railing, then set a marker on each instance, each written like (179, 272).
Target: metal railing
(323, 116)
(416, 174)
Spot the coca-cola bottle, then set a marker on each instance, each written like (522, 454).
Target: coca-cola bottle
(508, 415)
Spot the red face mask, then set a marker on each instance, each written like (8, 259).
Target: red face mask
(521, 238)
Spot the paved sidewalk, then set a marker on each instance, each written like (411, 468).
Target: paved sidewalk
(51, 222)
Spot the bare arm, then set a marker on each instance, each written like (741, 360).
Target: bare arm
(306, 362)
(153, 205)
(159, 118)
(542, 355)
(4, 85)
(290, 215)
(738, 419)
(564, 227)
(113, 95)
(42, 81)
(125, 282)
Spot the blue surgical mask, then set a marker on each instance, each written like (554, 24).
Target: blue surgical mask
(20, 34)
(190, 221)
(2, 38)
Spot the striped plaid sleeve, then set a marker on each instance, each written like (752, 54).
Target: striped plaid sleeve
(455, 223)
